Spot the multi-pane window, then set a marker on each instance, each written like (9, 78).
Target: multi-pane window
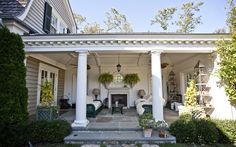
(62, 29)
(54, 21)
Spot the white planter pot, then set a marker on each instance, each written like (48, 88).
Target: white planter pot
(147, 132)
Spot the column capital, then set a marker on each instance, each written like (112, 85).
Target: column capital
(82, 51)
(156, 51)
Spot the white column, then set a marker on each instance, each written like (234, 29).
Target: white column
(157, 106)
(80, 118)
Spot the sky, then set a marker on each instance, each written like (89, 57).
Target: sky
(140, 12)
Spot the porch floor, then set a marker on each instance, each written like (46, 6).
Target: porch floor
(107, 121)
(115, 128)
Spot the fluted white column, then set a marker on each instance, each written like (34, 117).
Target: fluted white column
(157, 106)
(80, 118)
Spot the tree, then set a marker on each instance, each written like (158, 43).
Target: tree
(187, 20)
(92, 28)
(80, 20)
(190, 95)
(163, 17)
(117, 22)
(13, 95)
(227, 59)
(13, 91)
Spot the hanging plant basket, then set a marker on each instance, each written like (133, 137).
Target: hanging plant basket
(131, 79)
(105, 79)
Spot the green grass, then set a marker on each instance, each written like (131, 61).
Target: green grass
(138, 145)
(193, 145)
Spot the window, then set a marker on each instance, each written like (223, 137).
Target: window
(62, 28)
(48, 73)
(54, 21)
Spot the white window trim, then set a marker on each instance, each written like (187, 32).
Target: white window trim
(59, 20)
(51, 69)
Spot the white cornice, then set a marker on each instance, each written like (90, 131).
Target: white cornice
(125, 42)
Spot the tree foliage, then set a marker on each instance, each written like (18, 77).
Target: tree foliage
(188, 20)
(80, 21)
(115, 21)
(92, 28)
(227, 59)
(13, 91)
(163, 17)
(190, 95)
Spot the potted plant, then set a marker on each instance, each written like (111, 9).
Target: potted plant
(47, 110)
(147, 122)
(105, 79)
(131, 79)
(162, 127)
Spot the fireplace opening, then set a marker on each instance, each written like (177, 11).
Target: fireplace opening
(121, 98)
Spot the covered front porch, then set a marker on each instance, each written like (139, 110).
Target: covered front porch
(142, 54)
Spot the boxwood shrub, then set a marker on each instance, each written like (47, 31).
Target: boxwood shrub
(226, 129)
(203, 131)
(48, 131)
(206, 131)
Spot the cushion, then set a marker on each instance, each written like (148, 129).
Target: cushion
(97, 104)
(139, 107)
(89, 99)
(138, 101)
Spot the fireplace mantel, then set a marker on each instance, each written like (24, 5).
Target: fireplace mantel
(119, 91)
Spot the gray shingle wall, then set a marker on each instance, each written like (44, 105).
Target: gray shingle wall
(35, 15)
(32, 68)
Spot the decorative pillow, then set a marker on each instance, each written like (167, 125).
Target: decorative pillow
(147, 96)
(89, 99)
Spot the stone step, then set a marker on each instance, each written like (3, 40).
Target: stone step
(115, 137)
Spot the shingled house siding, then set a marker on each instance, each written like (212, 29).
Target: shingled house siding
(61, 78)
(32, 68)
(35, 15)
(62, 11)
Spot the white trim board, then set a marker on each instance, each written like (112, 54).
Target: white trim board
(48, 60)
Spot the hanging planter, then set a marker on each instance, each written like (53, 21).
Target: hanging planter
(105, 79)
(131, 79)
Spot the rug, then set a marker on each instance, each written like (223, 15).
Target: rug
(104, 119)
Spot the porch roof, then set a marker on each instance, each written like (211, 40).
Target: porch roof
(124, 42)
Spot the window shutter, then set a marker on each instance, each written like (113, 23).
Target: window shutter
(68, 31)
(47, 18)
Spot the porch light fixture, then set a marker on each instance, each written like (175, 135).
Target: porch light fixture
(141, 93)
(96, 92)
(118, 66)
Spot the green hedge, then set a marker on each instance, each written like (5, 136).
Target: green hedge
(13, 95)
(227, 130)
(48, 131)
(203, 131)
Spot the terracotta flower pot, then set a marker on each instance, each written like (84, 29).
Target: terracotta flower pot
(162, 133)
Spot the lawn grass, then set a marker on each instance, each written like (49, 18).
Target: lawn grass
(138, 145)
(194, 145)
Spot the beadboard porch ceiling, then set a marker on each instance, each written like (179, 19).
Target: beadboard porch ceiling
(112, 59)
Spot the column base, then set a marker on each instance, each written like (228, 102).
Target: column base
(80, 123)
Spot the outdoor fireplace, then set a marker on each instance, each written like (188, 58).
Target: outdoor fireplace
(121, 98)
(122, 95)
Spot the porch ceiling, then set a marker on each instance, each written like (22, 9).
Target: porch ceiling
(111, 59)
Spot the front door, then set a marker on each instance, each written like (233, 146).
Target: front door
(48, 73)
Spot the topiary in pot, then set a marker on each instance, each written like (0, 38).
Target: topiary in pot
(147, 122)
(47, 110)
(131, 79)
(105, 79)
